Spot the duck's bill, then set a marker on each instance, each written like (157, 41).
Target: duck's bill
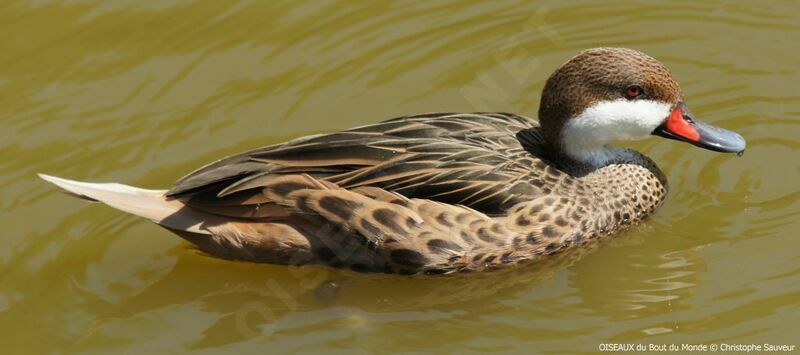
(681, 125)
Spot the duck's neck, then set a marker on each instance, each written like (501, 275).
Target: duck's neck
(580, 160)
(625, 185)
(595, 157)
(615, 179)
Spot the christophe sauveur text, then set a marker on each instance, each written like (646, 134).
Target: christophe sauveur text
(714, 347)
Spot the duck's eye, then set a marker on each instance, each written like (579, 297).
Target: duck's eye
(634, 91)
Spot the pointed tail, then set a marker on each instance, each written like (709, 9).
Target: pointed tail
(150, 204)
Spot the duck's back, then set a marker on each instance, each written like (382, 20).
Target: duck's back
(472, 159)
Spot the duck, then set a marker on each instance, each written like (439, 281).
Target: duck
(441, 193)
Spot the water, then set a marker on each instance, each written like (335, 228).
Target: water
(143, 92)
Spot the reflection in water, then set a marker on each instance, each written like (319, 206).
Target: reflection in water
(267, 297)
(143, 92)
(641, 285)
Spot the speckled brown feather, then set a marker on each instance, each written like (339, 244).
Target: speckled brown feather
(371, 229)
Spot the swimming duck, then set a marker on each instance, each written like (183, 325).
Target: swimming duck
(439, 193)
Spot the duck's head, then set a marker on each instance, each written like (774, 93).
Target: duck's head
(616, 94)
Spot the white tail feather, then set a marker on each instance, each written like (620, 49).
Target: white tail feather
(150, 204)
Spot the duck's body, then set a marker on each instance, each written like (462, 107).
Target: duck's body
(433, 193)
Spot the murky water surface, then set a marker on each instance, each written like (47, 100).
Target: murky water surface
(141, 92)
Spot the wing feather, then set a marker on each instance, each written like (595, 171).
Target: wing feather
(479, 160)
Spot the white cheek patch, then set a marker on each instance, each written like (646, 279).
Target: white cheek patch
(621, 119)
(585, 136)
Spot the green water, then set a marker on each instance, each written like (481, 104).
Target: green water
(143, 92)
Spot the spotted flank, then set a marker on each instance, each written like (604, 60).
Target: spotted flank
(438, 193)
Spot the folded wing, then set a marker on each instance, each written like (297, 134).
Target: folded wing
(474, 160)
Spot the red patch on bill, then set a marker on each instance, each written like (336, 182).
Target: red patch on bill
(679, 126)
